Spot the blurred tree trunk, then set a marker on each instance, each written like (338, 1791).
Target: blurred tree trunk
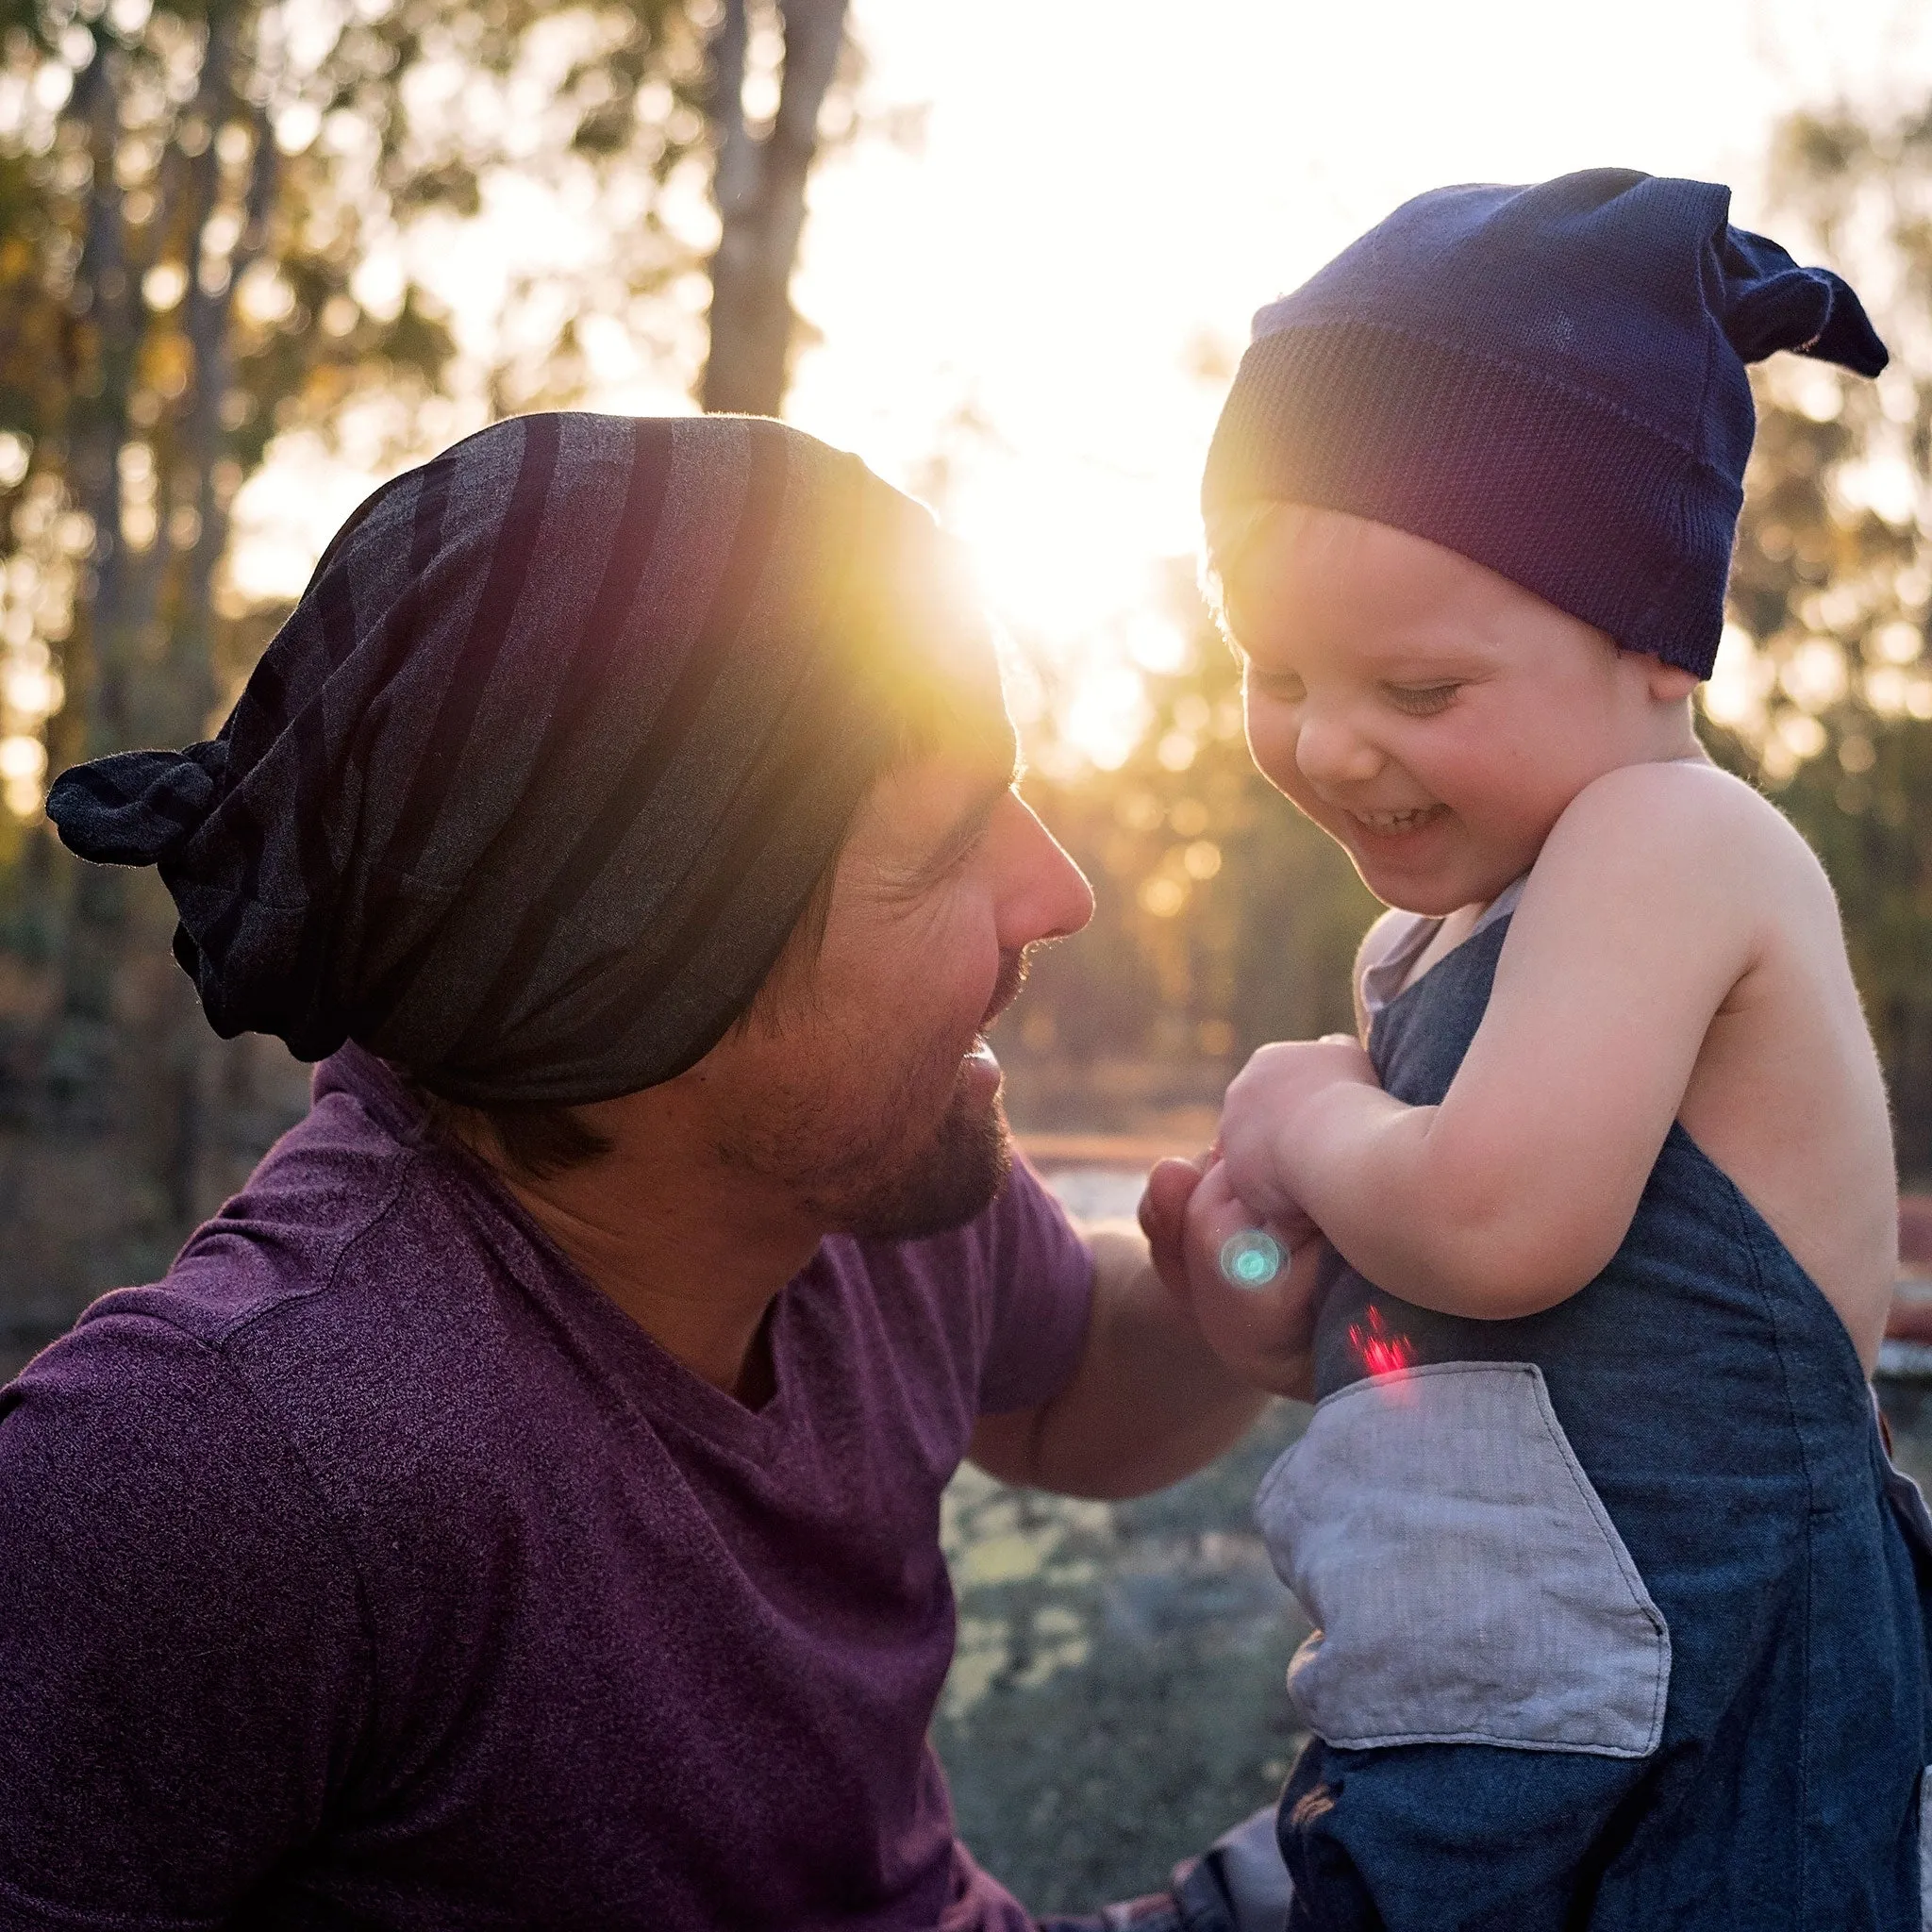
(133, 1038)
(106, 304)
(759, 185)
(208, 325)
(180, 1055)
(183, 252)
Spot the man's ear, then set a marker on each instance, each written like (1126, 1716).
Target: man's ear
(1669, 684)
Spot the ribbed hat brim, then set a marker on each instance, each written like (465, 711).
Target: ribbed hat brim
(1499, 463)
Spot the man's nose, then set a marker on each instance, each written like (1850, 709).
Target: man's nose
(1330, 751)
(1047, 896)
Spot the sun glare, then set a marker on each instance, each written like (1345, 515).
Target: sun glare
(1069, 560)
(1029, 314)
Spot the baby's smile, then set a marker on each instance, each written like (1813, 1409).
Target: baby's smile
(1410, 820)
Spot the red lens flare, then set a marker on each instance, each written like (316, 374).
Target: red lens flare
(1379, 1351)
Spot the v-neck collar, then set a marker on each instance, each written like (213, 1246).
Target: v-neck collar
(649, 1382)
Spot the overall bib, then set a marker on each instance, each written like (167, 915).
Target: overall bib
(1621, 1609)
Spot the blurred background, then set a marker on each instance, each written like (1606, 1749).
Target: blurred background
(256, 255)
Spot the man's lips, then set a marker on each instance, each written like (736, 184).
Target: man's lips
(979, 1057)
(980, 1071)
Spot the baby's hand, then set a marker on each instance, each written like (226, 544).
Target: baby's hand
(1266, 1108)
(1265, 1331)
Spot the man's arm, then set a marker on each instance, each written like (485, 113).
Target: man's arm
(183, 1664)
(1150, 1401)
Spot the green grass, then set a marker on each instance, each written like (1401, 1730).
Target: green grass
(1117, 1701)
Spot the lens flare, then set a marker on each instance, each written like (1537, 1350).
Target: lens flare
(1250, 1259)
(1379, 1352)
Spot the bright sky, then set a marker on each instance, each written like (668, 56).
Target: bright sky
(1107, 189)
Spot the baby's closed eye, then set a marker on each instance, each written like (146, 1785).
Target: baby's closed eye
(1421, 700)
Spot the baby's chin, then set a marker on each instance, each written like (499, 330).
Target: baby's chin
(1434, 895)
(1423, 905)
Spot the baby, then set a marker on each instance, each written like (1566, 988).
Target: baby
(1620, 1607)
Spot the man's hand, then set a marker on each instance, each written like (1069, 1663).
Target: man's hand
(1170, 1186)
(1266, 1335)
(1152, 1399)
(1270, 1109)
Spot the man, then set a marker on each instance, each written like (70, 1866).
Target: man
(519, 1505)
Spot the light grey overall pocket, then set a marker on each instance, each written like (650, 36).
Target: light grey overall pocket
(1466, 1583)
(1926, 1849)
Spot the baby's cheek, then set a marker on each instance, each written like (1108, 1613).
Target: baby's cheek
(1271, 745)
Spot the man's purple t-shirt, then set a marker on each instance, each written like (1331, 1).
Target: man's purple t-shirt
(375, 1570)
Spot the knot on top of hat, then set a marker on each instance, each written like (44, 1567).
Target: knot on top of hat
(1772, 304)
(137, 808)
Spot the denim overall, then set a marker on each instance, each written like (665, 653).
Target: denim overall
(1620, 1607)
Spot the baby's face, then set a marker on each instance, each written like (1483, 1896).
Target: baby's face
(1433, 718)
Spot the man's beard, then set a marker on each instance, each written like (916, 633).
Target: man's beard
(881, 1181)
(881, 1184)
(954, 1179)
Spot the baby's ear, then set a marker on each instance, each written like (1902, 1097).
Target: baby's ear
(1669, 683)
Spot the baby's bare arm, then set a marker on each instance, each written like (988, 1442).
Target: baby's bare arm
(1647, 908)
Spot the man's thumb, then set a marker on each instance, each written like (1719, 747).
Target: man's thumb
(1164, 1213)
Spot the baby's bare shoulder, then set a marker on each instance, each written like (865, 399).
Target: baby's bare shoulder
(1681, 795)
(1690, 823)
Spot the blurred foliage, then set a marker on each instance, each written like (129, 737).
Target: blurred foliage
(1826, 693)
(225, 223)
(212, 218)
(1223, 919)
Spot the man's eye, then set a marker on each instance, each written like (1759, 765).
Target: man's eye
(1421, 700)
(963, 853)
(953, 857)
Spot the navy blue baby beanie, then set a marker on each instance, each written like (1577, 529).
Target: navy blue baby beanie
(1549, 380)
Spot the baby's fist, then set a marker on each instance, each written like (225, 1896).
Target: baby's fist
(1266, 1111)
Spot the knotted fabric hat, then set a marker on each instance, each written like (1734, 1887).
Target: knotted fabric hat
(530, 789)
(1549, 380)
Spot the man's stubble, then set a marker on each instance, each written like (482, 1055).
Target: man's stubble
(878, 1173)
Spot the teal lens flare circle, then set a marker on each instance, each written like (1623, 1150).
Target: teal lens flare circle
(1250, 1259)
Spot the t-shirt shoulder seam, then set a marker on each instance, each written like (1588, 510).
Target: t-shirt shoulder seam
(401, 1162)
(217, 1356)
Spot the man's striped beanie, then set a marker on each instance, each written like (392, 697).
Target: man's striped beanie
(532, 785)
(1549, 380)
